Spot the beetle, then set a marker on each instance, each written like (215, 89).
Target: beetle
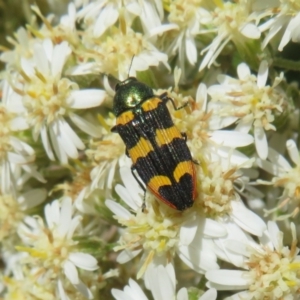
(158, 150)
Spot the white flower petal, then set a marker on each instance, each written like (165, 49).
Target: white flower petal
(84, 290)
(261, 143)
(65, 218)
(243, 126)
(52, 214)
(19, 159)
(81, 99)
(131, 184)
(278, 160)
(27, 67)
(46, 143)
(19, 123)
(247, 219)
(273, 31)
(86, 126)
(32, 198)
(48, 49)
(191, 50)
(161, 284)
(106, 18)
(127, 255)
(71, 272)
(20, 146)
(61, 154)
(234, 279)
(73, 225)
(118, 209)
(60, 55)
(223, 248)
(267, 166)
(196, 259)
(61, 291)
(213, 229)
(293, 151)
(120, 295)
(262, 74)
(84, 261)
(159, 30)
(243, 71)
(275, 234)
(182, 294)
(250, 31)
(135, 291)
(210, 294)
(126, 197)
(41, 61)
(231, 139)
(188, 231)
(201, 96)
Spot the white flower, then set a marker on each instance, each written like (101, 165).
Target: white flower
(285, 17)
(161, 281)
(13, 210)
(232, 21)
(47, 98)
(23, 44)
(105, 156)
(116, 52)
(105, 14)
(52, 254)
(185, 17)
(218, 198)
(286, 176)
(159, 232)
(15, 155)
(249, 101)
(271, 269)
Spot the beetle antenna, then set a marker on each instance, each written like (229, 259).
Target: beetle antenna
(130, 65)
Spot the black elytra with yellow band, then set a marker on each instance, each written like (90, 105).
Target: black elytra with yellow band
(158, 150)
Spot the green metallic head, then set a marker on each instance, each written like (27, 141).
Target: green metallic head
(129, 94)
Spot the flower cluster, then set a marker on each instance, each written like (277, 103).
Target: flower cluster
(150, 148)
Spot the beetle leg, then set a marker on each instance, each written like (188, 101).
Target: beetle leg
(195, 161)
(164, 97)
(141, 185)
(184, 136)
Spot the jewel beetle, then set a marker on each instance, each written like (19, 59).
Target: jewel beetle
(158, 150)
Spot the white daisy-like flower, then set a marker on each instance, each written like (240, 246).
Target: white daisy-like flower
(16, 156)
(52, 253)
(283, 16)
(22, 47)
(161, 281)
(48, 98)
(271, 269)
(64, 30)
(286, 176)
(185, 19)
(232, 21)
(104, 14)
(250, 102)
(99, 175)
(116, 52)
(219, 199)
(159, 232)
(13, 210)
